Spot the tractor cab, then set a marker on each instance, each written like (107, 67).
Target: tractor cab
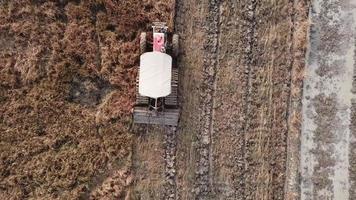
(159, 37)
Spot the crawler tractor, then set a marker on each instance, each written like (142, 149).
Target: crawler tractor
(157, 81)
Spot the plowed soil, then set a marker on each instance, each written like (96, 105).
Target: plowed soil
(243, 70)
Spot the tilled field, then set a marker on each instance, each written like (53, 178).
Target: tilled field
(236, 63)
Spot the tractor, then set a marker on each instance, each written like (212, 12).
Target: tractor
(157, 81)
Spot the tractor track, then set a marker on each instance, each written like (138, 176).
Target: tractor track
(170, 143)
(233, 92)
(250, 20)
(203, 184)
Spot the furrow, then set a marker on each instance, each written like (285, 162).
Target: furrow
(268, 88)
(203, 184)
(170, 165)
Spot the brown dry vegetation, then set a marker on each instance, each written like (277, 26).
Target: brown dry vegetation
(67, 71)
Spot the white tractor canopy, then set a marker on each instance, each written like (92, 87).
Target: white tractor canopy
(155, 74)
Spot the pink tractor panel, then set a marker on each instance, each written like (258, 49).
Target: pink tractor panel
(158, 42)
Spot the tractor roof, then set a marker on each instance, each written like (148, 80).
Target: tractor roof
(155, 74)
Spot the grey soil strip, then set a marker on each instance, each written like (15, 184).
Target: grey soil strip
(203, 184)
(352, 158)
(327, 102)
(352, 151)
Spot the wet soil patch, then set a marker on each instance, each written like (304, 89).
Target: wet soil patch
(88, 91)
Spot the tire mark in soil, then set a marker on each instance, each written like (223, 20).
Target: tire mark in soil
(249, 16)
(190, 25)
(229, 111)
(292, 142)
(268, 95)
(251, 38)
(203, 184)
(170, 144)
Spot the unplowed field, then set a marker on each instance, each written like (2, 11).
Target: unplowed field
(67, 83)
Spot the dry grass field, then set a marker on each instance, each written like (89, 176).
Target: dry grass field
(67, 82)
